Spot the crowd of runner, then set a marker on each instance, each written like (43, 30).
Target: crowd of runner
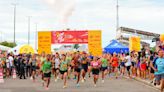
(81, 65)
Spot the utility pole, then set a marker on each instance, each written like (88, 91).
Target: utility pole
(1, 36)
(117, 15)
(15, 6)
(29, 27)
(36, 32)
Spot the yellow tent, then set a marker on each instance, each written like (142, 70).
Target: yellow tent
(26, 49)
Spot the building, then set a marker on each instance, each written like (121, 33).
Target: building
(123, 34)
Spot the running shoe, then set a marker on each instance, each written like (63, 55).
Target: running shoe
(46, 88)
(56, 80)
(102, 81)
(64, 86)
(78, 85)
(31, 78)
(74, 78)
(82, 80)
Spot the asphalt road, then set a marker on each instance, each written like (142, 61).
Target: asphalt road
(110, 85)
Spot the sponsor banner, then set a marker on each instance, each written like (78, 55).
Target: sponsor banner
(94, 42)
(44, 42)
(162, 37)
(134, 43)
(69, 37)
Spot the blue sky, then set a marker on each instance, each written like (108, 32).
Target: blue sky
(145, 15)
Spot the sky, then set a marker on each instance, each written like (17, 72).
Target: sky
(147, 15)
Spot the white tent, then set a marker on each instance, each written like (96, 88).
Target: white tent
(4, 48)
(83, 48)
(16, 50)
(65, 48)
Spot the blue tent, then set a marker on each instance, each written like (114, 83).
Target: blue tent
(117, 47)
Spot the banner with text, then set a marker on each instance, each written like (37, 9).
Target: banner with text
(44, 42)
(69, 37)
(134, 43)
(94, 42)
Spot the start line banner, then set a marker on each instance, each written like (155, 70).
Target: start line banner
(90, 37)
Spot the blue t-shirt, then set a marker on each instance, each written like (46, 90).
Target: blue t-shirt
(160, 66)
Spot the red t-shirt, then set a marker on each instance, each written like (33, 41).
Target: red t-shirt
(115, 62)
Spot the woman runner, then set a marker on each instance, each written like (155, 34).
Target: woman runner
(95, 64)
(56, 66)
(104, 67)
(77, 68)
(33, 62)
(122, 64)
(115, 64)
(64, 70)
(69, 59)
(84, 62)
(47, 71)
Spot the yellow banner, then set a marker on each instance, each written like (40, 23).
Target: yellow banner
(44, 42)
(94, 42)
(162, 37)
(134, 43)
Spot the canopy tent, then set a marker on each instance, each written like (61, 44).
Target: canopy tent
(117, 47)
(83, 48)
(4, 48)
(65, 48)
(22, 49)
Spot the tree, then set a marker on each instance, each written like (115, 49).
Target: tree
(76, 46)
(8, 44)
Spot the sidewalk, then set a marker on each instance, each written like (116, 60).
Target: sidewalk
(147, 82)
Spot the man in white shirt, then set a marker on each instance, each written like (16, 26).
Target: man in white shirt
(128, 63)
(11, 60)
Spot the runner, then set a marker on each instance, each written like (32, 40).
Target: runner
(114, 61)
(47, 71)
(143, 68)
(77, 68)
(128, 64)
(159, 70)
(69, 59)
(64, 69)
(84, 62)
(134, 64)
(42, 58)
(95, 64)
(33, 62)
(56, 66)
(90, 58)
(104, 67)
(122, 64)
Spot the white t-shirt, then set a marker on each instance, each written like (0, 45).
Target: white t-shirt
(57, 62)
(11, 60)
(7, 63)
(128, 63)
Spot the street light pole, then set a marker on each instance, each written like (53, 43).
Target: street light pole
(36, 30)
(117, 15)
(15, 5)
(29, 20)
(1, 36)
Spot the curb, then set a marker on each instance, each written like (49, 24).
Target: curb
(144, 82)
